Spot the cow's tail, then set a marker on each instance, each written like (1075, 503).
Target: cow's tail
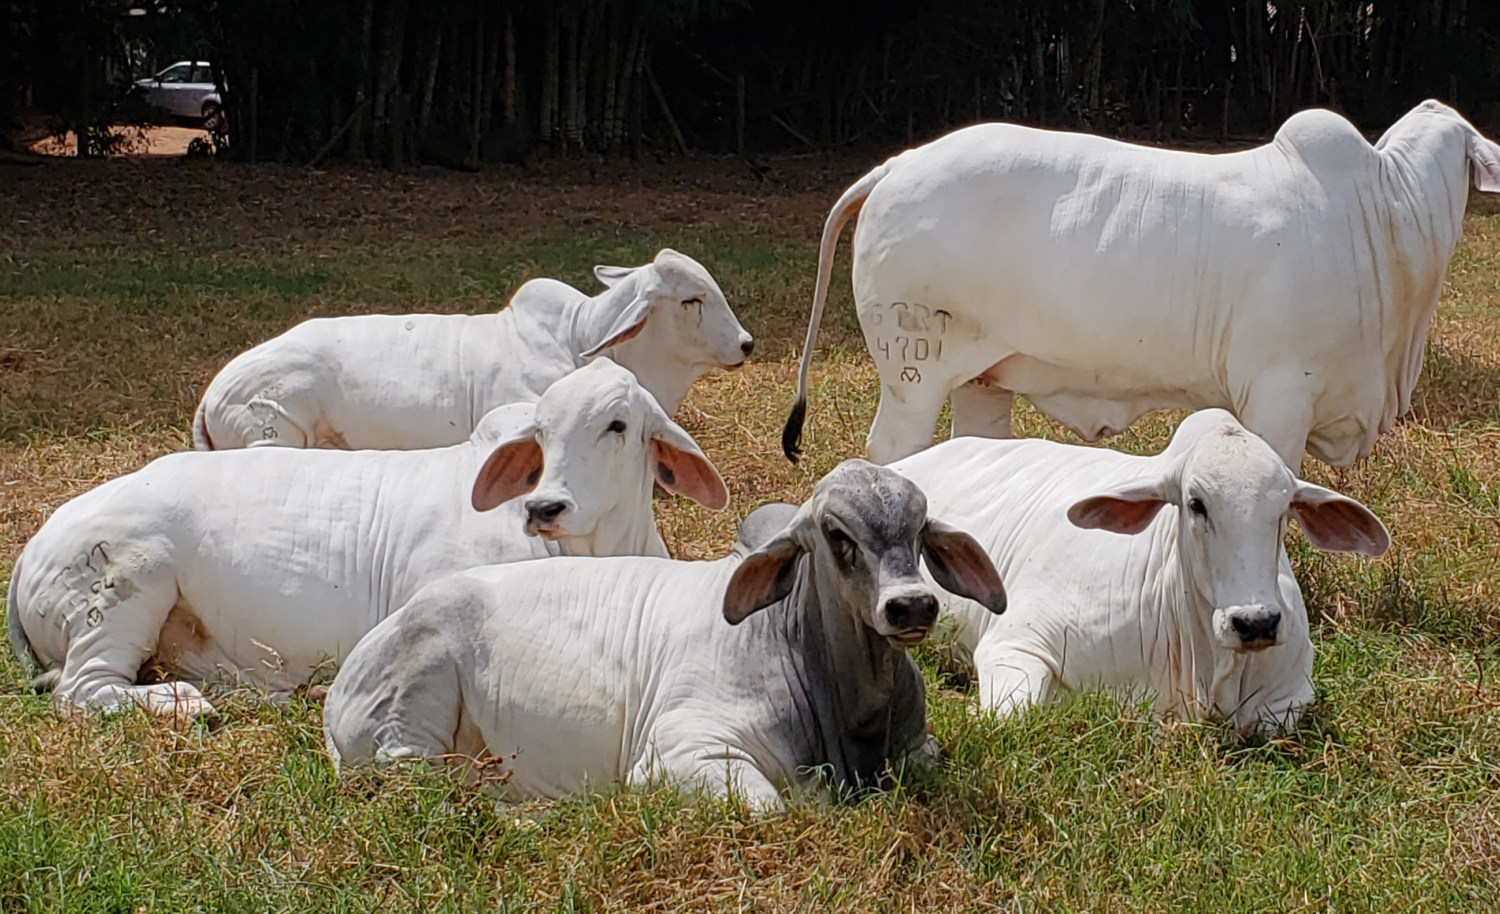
(201, 440)
(842, 212)
(19, 645)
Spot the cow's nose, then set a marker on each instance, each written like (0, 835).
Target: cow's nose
(747, 347)
(908, 611)
(1256, 627)
(545, 512)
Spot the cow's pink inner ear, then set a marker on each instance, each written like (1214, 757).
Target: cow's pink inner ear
(688, 474)
(765, 576)
(1342, 525)
(1117, 515)
(513, 469)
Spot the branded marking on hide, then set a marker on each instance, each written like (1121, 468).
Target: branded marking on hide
(915, 335)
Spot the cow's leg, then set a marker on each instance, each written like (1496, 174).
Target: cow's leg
(1011, 680)
(726, 778)
(679, 752)
(115, 626)
(982, 410)
(1280, 411)
(180, 701)
(905, 419)
(402, 702)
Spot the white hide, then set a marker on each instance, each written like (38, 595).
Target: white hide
(1292, 283)
(1197, 607)
(424, 380)
(755, 672)
(258, 566)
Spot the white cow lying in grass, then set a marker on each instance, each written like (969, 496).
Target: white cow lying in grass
(1195, 604)
(425, 380)
(601, 670)
(1292, 283)
(257, 566)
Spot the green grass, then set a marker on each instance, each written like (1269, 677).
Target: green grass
(117, 305)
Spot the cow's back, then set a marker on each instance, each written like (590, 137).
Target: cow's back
(371, 381)
(282, 557)
(570, 663)
(1013, 496)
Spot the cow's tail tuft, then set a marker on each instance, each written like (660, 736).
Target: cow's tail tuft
(201, 440)
(843, 210)
(791, 433)
(19, 645)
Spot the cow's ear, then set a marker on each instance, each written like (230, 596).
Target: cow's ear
(610, 275)
(1128, 509)
(681, 466)
(631, 322)
(1484, 156)
(512, 469)
(960, 565)
(1337, 523)
(764, 577)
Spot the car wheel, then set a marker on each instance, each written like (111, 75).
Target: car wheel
(213, 118)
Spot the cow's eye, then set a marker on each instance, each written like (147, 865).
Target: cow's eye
(843, 546)
(1195, 505)
(617, 426)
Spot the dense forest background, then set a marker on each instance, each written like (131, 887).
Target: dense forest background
(459, 82)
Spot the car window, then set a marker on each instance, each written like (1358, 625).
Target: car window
(177, 74)
(203, 73)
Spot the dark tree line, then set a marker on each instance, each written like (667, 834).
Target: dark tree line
(462, 81)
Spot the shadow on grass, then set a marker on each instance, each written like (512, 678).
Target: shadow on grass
(1455, 389)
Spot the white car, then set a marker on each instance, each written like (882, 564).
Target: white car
(185, 89)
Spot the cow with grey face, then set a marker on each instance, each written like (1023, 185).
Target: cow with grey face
(749, 674)
(1159, 576)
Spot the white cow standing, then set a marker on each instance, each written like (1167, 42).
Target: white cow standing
(257, 566)
(1157, 576)
(753, 673)
(1292, 283)
(424, 380)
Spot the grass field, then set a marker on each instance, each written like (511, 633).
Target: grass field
(125, 285)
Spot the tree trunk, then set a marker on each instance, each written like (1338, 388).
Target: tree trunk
(638, 106)
(254, 112)
(509, 100)
(429, 80)
(739, 113)
(547, 124)
(610, 101)
(356, 147)
(1095, 73)
(476, 98)
(392, 47)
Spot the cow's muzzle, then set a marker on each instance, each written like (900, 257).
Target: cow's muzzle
(908, 617)
(1256, 627)
(543, 516)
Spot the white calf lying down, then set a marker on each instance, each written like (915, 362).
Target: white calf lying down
(1196, 606)
(424, 380)
(598, 670)
(257, 566)
(1292, 283)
